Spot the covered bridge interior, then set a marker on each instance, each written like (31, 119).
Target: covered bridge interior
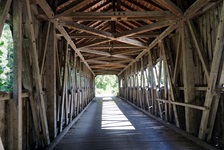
(167, 54)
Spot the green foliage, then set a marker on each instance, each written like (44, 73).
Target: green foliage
(106, 85)
(6, 59)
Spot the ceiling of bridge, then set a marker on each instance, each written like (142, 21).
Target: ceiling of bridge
(112, 33)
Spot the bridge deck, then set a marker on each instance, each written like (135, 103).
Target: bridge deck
(110, 123)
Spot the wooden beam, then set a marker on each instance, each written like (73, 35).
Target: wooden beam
(84, 35)
(132, 42)
(199, 48)
(212, 82)
(110, 65)
(73, 6)
(46, 8)
(120, 15)
(93, 43)
(102, 33)
(177, 60)
(114, 46)
(189, 83)
(130, 51)
(87, 29)
(94, 52)
(170, 6)
(51, 85)
(103, 53)
(4, 9)
(17, 76)
(186, 105)
(145, 28)
(36, 69)
(194, 8)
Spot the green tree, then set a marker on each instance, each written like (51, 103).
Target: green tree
(6, 59)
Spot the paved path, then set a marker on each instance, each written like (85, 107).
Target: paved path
(112, 124)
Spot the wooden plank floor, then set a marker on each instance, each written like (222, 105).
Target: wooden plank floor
(112, 124)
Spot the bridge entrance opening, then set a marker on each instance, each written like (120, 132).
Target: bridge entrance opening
(106, 85)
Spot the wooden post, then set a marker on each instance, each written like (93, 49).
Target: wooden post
(17, 78)
(51, 82)
(189, 91)
(65, 48)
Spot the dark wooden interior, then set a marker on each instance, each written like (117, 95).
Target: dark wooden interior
(167, 54)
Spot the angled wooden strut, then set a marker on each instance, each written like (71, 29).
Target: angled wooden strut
(34, 56)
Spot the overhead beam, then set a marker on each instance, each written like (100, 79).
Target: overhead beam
(93, 43)
(115, 46)
(170, 6)
(132, 42)
(104, 34)
(72, 7)
(145, 28)
(87, 29)
(87, 35)
(103, 53)
(116, 16)
(126, 51)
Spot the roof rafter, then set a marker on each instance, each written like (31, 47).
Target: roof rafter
(170, 6)
(146, 28)
(102, 33)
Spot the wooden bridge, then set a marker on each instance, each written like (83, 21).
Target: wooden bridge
(167, 54)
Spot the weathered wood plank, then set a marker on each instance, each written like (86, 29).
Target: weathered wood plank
(50, 74)
(188, 79)
(17, 75)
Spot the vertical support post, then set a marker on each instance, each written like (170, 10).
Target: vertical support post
(51, 83)
(188, 78)
(17, 79)
(65, 47)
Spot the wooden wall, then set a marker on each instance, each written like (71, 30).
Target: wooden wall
(52, 85)
(180, 80)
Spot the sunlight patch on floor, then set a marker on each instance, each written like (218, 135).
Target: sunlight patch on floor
(113, 118)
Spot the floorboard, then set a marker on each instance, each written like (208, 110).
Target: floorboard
(112, 124)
